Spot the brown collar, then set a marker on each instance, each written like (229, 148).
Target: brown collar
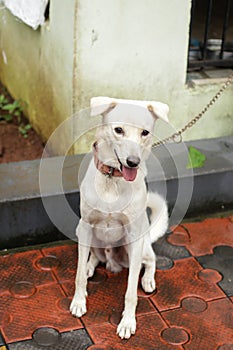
(104, 168)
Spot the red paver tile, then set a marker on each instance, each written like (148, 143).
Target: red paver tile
(106, 292)
(63, 260)
(202, 237)
(208, 323)
(28, 308)
(22, 267)
(185, 278)
(36, 289)
(149, 335)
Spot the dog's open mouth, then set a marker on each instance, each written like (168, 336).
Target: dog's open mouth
(129, 174)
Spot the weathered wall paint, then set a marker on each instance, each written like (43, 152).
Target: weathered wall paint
(126, 49)
(37, 66)
(138, 50)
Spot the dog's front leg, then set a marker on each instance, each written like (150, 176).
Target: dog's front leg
(127, 326)
(78, 304)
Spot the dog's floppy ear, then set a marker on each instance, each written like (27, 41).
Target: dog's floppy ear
(159, 110)
(102, 105)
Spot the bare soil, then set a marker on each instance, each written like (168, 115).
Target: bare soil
(14, 147)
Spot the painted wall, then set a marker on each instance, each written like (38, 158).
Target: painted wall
(37, 66)
(126, 49)
(138, 50)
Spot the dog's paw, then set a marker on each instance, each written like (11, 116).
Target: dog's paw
(148, 283)
(90, 270)
(126, 327)
(78, 307)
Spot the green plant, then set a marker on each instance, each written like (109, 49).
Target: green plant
(23, 129)
(13, 109)
(196, 158)
(10, 109)
(3, 103)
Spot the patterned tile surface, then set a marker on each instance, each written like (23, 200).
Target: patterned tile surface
(192, 307)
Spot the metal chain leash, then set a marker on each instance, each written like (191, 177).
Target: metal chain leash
(177, 136)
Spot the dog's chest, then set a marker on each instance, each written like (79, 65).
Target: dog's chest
(109, 194)
(110, 191)
(108, 227)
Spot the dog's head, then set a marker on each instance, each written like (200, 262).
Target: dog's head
(126, 134)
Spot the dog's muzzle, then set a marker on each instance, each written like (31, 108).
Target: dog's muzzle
(130, 170)
(133, 161)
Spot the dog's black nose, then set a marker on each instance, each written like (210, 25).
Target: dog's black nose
(133, 161)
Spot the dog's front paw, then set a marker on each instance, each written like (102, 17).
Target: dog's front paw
(126, 327)
(148, 283)
(78, 306)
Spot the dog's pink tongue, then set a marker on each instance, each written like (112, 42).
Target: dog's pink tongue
(129, 174)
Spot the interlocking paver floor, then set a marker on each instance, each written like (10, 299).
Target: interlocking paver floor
(192, 307)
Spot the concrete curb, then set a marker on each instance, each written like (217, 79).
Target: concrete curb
(24, 221)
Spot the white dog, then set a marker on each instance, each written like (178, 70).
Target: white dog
(114, 226)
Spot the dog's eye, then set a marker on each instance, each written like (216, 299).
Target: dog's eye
(145, 133)
(118, 130)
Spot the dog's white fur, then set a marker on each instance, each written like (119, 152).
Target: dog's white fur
(114, 221)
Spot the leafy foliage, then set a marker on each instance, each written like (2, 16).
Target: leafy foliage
(196, 158)
(23, 129)
(10, 110)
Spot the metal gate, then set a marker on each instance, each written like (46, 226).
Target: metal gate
(210, 17)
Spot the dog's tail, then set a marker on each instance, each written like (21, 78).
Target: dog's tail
(158, 215)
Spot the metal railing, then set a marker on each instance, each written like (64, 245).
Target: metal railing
(206, 51)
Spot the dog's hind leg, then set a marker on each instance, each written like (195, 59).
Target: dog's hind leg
(149, 261)
(92, 263)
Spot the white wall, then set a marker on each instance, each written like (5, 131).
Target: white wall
(138, 50)
(131, 49)
(127, 49)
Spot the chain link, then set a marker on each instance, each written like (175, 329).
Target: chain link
(177, 136)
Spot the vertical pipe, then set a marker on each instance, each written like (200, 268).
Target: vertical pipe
(191, 22)
(207, 27)
(190, 26)
(225, 26)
